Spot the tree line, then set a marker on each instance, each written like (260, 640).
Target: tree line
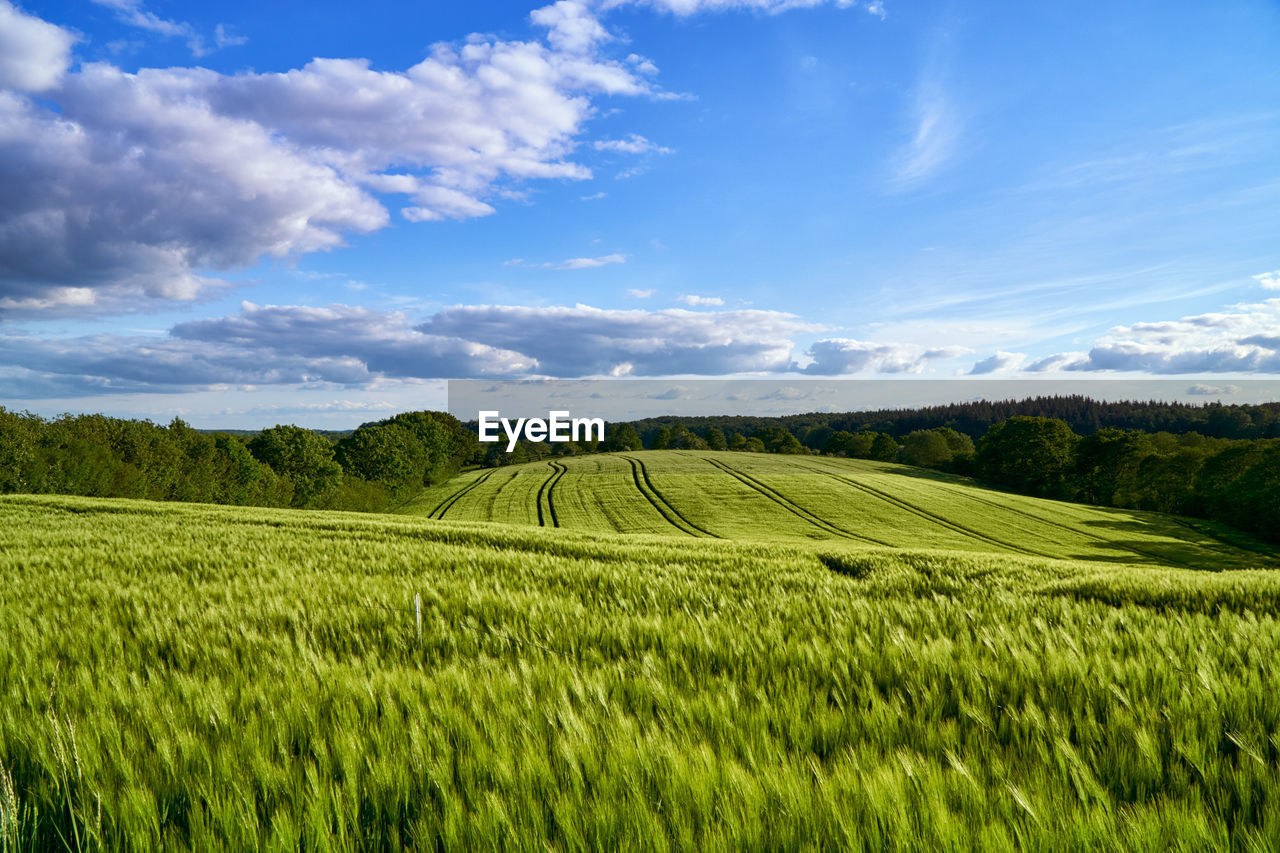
(371, 468)
(1230, 478)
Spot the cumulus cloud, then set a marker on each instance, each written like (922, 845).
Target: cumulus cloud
(34, 54)
(699, 301)
(1245, 340)
(586, 341)
(120, 190)
(261, 345)
(839, 356)
(636, 293)
(353, 346)
(1269, 280)
(572, 26)
(999, 363)
(132, 186)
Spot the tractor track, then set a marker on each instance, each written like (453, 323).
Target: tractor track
(947, 523)
(794, 508)
(673, 517)
(544, 491)
(1078, 531)
(447, 504)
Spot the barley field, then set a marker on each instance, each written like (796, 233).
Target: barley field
(853, 502)
(770, 659)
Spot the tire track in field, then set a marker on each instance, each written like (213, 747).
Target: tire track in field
(1078, 531)
(493, 495)
(447, 504)
(942, 521)
(544, 491)
(794, 508)
(644, 485)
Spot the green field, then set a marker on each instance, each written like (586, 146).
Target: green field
(852, 502)
(693, 651)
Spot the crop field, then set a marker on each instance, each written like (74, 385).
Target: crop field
(759, 497)
(198, 677)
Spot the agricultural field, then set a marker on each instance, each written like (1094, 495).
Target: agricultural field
(764, 661)
(856, 502)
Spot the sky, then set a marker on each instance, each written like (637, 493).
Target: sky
(250, 213)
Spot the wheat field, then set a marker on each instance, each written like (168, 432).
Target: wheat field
(192, 677)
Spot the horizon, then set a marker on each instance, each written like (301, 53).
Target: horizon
(239, 214)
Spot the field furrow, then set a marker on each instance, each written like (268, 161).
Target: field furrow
(791, 506)
(761, 497)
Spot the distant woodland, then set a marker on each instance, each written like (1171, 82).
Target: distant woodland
(1220, 462)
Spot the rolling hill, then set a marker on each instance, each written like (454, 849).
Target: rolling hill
(757, 497)
(669, 651)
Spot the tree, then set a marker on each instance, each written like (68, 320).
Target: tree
(304, 456)
(883, 447)
(1107, 460)
(716, 439)
(621, 437)
(18, 449)
(1031, 455)
(786, 443)
(390, 454)
(682, 439)
(444, 441)
(661, 439)
(925, 448)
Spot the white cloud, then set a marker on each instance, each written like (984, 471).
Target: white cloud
(639, 294)
(593, 196)
(572, 26)
(1245, 340)
(1001, 362)
(633, 144)
(589, 263)
(353, 346)
(877, 8)
(585, 341)
(1201, 390)
(136, 183)
(699, 301)
(936, 131)
(131, 12)
(571, 263)
(840, 356)
(34, 54)
(124, 190)
(685, 8)
(223, 37)
(1269, 280)
(642, 64)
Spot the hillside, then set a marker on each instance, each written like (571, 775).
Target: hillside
(200, 677)
(756, 497)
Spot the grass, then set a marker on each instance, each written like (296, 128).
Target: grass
(195, 677)
(758, 497)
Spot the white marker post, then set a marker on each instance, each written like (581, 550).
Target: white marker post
(417, 612)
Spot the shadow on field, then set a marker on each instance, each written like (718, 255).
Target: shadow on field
(1173, 540)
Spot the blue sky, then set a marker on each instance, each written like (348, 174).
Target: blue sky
(245, 213)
